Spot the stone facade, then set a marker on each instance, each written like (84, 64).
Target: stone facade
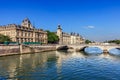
(24, 32)
(66, 38)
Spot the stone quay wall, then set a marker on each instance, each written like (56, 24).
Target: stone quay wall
(36, 49)
(23, 49)
(9, 50)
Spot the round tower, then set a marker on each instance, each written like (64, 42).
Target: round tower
(59, 34)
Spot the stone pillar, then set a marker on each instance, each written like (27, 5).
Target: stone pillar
(21, 50)
(33, 36)
(105, 51)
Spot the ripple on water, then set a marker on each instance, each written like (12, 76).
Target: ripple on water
(60, 66)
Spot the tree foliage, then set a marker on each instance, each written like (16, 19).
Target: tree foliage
(4, 38)
(88, 41)
(114, 41)
(52, 37)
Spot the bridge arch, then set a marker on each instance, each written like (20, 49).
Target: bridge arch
(104, 48)
(114, 51)
(93, 50)
(76, 48)
(81, 48)
(114, 48)
(62, 47)
(118, 48)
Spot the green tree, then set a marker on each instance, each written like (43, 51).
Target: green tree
(88, 41)
(114, 41)
(4, 38)
(52, 37)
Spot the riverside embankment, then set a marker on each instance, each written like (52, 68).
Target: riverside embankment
(23, 49)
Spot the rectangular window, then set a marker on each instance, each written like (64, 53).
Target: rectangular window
(28, 34)
(17, 33)
(22, 33)
(25, 34)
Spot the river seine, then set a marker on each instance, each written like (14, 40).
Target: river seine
(60, 66)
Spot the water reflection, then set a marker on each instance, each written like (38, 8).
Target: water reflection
(60, 66)
(17, 66)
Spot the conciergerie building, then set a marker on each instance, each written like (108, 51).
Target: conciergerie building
(25, 32)
(66, 38)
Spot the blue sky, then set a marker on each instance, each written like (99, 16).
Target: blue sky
(96, 20)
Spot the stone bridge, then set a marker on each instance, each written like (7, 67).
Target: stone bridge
(81, 47)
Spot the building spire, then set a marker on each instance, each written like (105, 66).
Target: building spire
(59, 26)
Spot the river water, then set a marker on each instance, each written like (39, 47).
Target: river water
(60, 66)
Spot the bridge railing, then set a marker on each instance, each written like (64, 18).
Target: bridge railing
(45, 45)
(102, 44)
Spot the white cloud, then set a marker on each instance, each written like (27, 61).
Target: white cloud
(90, 27)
